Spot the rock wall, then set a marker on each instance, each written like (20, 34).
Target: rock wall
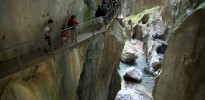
(23, 21)
(183, 66)
(42, 86)
(100, 64)
(84, 72)
(136, 6)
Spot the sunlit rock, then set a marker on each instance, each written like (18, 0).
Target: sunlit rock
(183, 66)
(130, 92)
(84, 72)
(128, 56)
(132, 74)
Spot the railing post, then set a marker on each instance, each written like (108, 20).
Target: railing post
(52, 45)
(95, 21)
(75, 37)
(19, 60)
(104, 21)
(32, 73)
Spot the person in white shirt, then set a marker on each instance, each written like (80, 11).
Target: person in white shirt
(47, 35)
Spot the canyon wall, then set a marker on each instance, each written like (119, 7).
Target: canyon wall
(130, 7)
(183, 66)
(84, 72)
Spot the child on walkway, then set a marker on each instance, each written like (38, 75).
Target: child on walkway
(64, 33)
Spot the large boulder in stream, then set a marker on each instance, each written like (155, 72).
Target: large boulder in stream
(128, 56)
(130, 91)
(132, 74)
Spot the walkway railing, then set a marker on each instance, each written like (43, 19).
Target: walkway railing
(31, 52)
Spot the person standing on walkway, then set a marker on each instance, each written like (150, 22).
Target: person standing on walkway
(99, 15)
(72, 23)
(47, 37)
(99, 12)
(104, 7)
(114, 3)
(64, 33)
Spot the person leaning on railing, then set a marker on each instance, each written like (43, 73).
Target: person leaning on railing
(71, 24)
(47, 37)
(99, 15)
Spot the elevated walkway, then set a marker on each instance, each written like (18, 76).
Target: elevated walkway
(21, 62)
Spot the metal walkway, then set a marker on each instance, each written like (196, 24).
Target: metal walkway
(23, 61)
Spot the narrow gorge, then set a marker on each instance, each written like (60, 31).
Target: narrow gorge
(137, 50)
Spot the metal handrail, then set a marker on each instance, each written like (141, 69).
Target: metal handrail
(80, 28)
(105, 17)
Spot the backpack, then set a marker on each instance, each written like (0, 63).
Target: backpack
(69, 24)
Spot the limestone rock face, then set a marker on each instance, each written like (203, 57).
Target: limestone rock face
(114, 88)
(23, 21)
(135, 6)
(100, 64)
(41, 87)
(182, 77)
(83, 73)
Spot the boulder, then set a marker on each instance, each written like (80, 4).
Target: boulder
(131, 90)
(156, 66)
(152, 70)
(132, 74)
(145, 19)
(128, 56)
(130, 93)
(161, 49)
(137, 32)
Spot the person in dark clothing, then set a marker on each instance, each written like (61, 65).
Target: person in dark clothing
(104, 7)
(114, 3)
(99, 12)
(99, 15)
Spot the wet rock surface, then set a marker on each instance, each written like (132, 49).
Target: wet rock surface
(142, 87)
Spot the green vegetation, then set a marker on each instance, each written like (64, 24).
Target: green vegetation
(152, 12)
(201, 6)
